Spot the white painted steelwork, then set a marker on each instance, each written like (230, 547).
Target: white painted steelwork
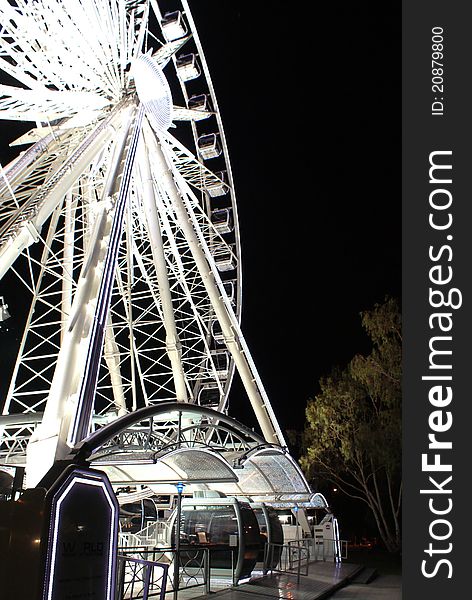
(107, 222)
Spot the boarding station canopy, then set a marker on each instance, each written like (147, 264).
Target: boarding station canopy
(158, 446)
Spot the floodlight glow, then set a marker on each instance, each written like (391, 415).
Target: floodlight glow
(78, 61)
(336, 540)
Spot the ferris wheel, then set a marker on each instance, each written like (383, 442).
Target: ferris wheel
(119, 221)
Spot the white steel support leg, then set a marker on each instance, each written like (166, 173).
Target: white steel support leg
(111, 354)
(49, 441)
(68, 260)
(173, 345)
(231, 332)
(126, 293)
(110, 348)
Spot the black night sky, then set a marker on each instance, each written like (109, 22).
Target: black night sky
(310, 100)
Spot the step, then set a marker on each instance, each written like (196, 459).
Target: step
(365, 576)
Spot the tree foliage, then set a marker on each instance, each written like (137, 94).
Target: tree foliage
(353, 431)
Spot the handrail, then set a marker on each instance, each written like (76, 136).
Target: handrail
(194, 564)
(137, 578)
(300, 551)
(151, 535)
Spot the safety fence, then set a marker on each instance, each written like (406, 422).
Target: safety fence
(140, 579)
(296, 555)
(193, 569)
(287, 558)
(145, 572)
(155, 534)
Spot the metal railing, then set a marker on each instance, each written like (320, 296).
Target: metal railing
(156, 533)
(140, 579)
(194, 565)
(193, 568)
(296, 555)
(287, 558)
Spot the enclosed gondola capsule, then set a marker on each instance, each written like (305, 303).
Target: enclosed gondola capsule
(222, 220)
(188, 67)
(208, 146)
(219, 187)
(230, 290)
(272, 535)
(219, 359)
(217, 332)
(200, 103)
(209, 395)
(173, 26)
(228, 527)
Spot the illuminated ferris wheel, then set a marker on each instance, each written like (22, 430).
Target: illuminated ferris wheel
(118, 220)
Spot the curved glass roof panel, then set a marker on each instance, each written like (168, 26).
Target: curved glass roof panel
(188, 465)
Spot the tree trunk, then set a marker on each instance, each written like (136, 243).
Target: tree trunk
(390, 541)
(394, 512)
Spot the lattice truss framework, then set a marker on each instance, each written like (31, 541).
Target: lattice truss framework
(71, 63)
(165, 436)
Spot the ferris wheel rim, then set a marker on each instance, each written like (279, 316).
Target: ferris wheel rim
(42, 144)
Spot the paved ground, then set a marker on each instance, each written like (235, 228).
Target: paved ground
(384, 587)
(322, 578)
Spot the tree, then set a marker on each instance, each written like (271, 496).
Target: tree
(353, 430)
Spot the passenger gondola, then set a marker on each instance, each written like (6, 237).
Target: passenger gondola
(272, 536)
(135, 516)
(228, 527)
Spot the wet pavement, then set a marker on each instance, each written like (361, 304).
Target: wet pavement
(323, 579)
(383, 587)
